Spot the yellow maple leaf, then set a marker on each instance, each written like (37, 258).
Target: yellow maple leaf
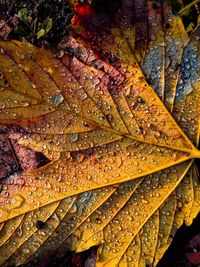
(122, 171)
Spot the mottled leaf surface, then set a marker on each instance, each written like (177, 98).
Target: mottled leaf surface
(122, 171)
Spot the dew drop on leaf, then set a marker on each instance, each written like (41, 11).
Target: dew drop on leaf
(73, 209)
(57, 99)
(73, 137)
(17, 201)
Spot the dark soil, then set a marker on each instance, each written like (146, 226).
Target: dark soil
(60, 11)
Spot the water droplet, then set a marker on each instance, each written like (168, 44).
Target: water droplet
(80, 158)
(2, 105)
(144, 201)
(48, 185)
(73, 137)
(19, 232)
(26, 250)
(187, 66)
(57, 99)
(98, 220)
(83, 96)
(73, 209)
(17, 201)
(109, 117)
(20, 55)
(25, 104)
(55, 217)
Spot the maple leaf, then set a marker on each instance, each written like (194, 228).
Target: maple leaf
(122, 173)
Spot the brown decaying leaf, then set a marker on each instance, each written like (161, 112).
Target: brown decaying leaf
(122, 173)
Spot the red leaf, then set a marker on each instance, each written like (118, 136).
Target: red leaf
(193, 257)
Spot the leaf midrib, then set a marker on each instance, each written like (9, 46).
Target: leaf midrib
(194, 153)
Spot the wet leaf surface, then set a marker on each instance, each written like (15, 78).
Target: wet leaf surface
(121, 171)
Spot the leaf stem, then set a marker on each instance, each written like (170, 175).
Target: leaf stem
(196, 154)
(188, 7)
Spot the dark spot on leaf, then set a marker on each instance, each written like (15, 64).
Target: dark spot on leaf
(69, 51)
(140, 100)
(177, 66)
(176, 110)
(97, 220)
(41, 159)
(102, 68)
(167, 26)
(85, 124)
(40, 224)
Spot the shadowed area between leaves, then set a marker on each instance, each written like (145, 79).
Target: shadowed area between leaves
(15, 158)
